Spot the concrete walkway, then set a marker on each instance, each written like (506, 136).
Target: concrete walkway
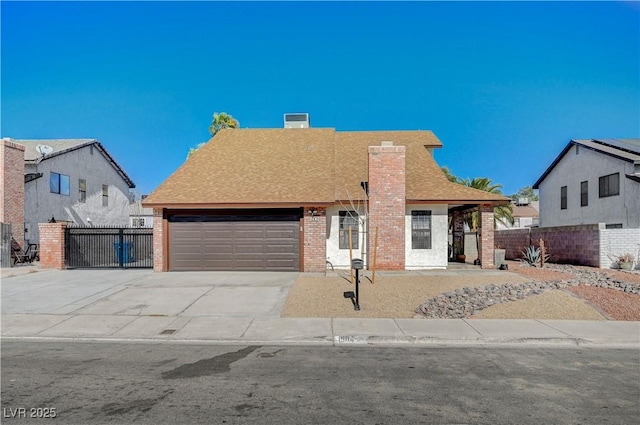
(244, 308)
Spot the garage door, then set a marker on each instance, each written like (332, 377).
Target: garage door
(234, 245)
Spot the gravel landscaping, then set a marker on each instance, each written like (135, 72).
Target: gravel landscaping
(553, 292)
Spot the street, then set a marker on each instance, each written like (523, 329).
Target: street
(154, 383)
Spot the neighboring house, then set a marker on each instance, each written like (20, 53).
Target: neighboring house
(72, 180)
(525, 214)
(592, 181)
(285, 199)
(140, 216)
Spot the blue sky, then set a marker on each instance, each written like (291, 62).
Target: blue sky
(504, 85)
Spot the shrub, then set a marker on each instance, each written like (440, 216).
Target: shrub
(532, 255)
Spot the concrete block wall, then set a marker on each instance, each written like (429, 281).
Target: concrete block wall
(513, 242)
(387, 189)
(615, 242)
(52, 255)
(315, 239)
(12, 188)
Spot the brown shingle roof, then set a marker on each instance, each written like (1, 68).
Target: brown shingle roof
(303, 166)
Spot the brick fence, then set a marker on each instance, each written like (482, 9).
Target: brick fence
(588, 245)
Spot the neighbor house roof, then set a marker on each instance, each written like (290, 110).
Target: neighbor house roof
(62, 146)
(624, 149)
(308, 166)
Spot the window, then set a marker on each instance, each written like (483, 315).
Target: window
(82, 191)
(584, 194)
(348, 220)
(137, 222)
(105, 195)
(59, 183)
(610, 185)
(563, 198)
(614, 226)
(421, 229)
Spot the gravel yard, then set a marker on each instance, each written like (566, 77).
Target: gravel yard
(398, 295)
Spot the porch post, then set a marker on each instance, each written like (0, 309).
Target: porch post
(315, 239)
(486, 236)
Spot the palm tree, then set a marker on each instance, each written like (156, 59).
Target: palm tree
(502, 214)
(222, 120)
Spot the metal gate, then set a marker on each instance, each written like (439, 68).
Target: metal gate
(108, 247)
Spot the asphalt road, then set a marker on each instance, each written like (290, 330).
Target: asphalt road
(97, 383)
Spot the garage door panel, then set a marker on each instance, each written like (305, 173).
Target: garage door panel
(264, 245)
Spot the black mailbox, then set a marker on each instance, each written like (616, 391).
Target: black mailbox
(357, 264)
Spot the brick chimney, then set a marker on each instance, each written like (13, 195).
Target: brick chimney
(387, 205)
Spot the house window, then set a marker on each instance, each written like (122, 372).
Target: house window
(348, 220)
(614, 226)
(584, 194)
(137, 222)
(421, 229)
(610, 185)
(563, 198)
(105, 195)
(59, 183)
(82, 191)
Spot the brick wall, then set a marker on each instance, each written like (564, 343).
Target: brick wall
(315, 240)
(159, 253)
(387, 205)
(486, 239)
(565, 244)
(52, 245)
(12, 188)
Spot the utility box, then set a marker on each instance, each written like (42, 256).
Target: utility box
(357, 264)
(498, 257)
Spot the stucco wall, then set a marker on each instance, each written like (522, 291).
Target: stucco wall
(86, 163)
(589, 166)
(339, 258)
(436, 257)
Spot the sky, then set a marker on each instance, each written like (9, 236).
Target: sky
(504, 85)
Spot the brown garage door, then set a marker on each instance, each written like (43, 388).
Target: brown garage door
(233, 245)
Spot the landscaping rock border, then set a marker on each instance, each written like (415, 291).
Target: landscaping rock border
(465, 302)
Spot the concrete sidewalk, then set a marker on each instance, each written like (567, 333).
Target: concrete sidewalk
(244, 308)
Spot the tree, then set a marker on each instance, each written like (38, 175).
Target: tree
(220, 120)
(450, 176)
(502, 214)
(526, 192)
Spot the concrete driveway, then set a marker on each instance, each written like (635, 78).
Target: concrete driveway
(145, 293)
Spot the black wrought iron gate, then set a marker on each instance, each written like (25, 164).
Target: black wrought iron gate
(108, 247)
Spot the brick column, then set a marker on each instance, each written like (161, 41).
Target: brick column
(12, 188)
(315, 239)
(52, 245)
(160, 254)
(486, 241)
(387, 205)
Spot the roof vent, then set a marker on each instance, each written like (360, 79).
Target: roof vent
(296, 120)
(386, 143)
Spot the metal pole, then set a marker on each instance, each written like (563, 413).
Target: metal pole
(357, 305)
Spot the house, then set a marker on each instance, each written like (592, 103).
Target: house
(592, 181)
(300, 198)
(525, 214)
(72, 180)
(140, 216)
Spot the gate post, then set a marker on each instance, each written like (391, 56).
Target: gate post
(52, 245)
(121, 248)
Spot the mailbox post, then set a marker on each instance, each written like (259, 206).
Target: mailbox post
(357, 264)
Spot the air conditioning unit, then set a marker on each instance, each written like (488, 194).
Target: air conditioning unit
(296, 120)
(523, 201)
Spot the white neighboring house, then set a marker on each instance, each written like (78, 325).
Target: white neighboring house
(592, 181)
(140, 216)
(525, 214)
(73, 180)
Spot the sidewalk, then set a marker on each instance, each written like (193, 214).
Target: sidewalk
(244, 308)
